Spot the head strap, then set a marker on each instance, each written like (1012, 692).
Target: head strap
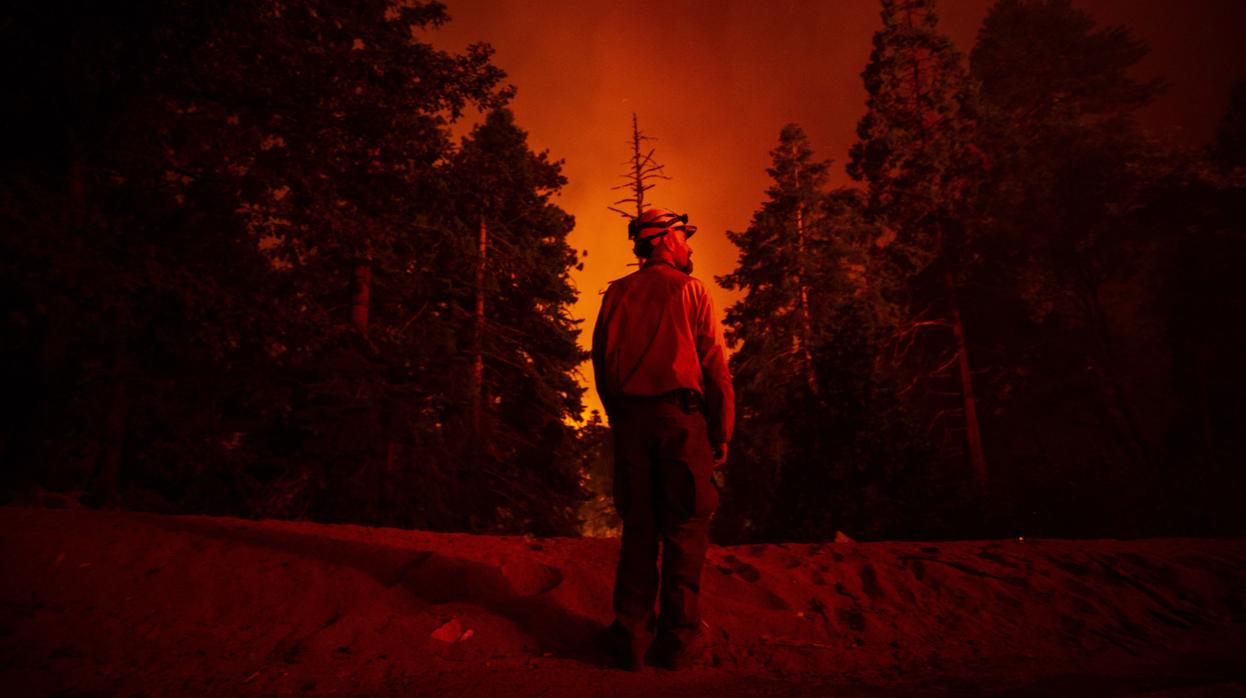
(636, 226)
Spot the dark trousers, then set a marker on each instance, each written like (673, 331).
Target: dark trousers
(662, 490)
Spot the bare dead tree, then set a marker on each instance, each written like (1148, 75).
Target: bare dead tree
(642, 169)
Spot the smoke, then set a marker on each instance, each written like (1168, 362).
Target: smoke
(714, 82)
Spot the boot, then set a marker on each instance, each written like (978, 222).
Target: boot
(673, 655)
(625, 652)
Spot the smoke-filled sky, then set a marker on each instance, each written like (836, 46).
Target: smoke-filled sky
(715, 81)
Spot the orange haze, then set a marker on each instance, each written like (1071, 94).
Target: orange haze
(715, 81)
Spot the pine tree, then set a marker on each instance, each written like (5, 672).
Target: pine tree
(915, 153)
(1044, 62)
(337, 150)
(1057, 106)
(770, 330)
(802, 335)
(263, 318)
(520, 337)
(1200, 272)
(597, 513)
(776, 264)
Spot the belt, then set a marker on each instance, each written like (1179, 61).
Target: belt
(686, 399)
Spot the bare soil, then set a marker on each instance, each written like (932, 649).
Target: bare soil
(120, 603)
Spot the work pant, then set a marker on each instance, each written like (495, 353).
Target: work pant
(663, 463)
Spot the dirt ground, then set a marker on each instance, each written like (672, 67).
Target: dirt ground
(118, 603)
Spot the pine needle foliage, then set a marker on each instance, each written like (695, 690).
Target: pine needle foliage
(814, 428)
(916, 154)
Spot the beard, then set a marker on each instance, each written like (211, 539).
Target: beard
(686, 267)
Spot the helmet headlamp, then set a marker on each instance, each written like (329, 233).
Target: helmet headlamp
(665, 222)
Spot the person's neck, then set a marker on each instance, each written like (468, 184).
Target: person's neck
(659, 260)
(662, 255)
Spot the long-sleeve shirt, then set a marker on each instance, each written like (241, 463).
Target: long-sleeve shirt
(656, 333)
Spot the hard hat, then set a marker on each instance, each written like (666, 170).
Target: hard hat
(661, 220)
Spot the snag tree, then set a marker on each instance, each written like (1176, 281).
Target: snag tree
(642, 170)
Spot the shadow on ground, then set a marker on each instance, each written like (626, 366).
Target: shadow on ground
(432, 578)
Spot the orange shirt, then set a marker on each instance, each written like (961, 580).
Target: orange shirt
(657, 332)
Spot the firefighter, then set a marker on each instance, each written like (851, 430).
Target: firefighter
(661, 371)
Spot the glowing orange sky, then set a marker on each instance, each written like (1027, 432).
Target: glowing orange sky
(715, 81)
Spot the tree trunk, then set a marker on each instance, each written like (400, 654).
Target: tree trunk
(973, 432)
(1117, 396)
(361, 298)
(637, 168)
(108, 468)
(806, 324)
(1202, 360)
(478, 362)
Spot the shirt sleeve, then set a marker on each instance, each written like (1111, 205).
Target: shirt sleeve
(711, 350)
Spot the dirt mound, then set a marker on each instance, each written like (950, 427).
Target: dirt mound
(113, 602)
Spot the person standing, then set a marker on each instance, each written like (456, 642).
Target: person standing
(660, 367)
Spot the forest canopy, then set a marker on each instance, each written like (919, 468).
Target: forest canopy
(291, 260)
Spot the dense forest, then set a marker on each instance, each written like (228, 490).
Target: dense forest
(248, 268)
(1021, 321)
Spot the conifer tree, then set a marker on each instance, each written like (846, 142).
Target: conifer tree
(1060, 226)
(267, 324)
(771, 331)
(1202, 267)
(776, 265)
(803, 336)
(916, 155)
(518, 335)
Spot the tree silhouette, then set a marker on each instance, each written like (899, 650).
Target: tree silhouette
(1057, 104)
(260, 294)
(642, 170)
(520, 337)
(915, 152)
(816, 432)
